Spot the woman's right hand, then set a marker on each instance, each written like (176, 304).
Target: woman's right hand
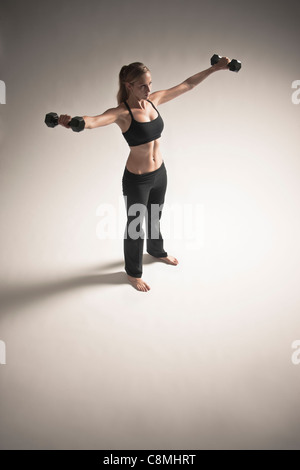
(64, 120)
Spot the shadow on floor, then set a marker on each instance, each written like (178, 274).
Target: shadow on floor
(147, 259)
(14, 296)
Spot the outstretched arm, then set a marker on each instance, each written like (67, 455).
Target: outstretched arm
(108, 117)
(162, 96)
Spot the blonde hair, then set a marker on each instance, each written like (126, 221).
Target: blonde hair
(129, 73)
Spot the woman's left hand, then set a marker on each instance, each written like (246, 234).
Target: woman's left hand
(222, 64)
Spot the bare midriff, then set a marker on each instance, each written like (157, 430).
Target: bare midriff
(144, 158)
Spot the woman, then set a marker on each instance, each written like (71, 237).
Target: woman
(144, 179)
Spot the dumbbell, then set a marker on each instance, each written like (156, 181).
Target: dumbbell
(77, 123)
(234, 65)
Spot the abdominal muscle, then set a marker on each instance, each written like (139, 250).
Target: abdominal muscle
(144, 158)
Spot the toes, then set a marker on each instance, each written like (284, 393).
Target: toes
(143, 287)
(139, 285)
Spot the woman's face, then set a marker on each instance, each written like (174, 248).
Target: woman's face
(141, 88)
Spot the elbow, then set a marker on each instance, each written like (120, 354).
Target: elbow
(189, 85)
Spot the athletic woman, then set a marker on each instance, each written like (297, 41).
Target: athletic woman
(144, 179)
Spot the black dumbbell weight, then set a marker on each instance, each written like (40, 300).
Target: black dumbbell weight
(234, 65)
(77, 123)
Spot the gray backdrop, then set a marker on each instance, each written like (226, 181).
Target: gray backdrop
(204, 359)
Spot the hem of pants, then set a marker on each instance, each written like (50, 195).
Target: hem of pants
(133, 275)
(161, 255)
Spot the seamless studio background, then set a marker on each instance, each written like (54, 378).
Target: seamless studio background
(203, 360)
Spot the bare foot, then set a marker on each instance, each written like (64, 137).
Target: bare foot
(169, 260)
(138, 283)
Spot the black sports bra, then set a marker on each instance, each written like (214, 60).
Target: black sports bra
(143, 132)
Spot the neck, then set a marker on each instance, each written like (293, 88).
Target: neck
(136, 103)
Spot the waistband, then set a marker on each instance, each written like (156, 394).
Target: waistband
(135, 176)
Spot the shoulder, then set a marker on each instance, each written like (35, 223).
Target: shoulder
(122, 114)
(154, 98)
(117, 111)
(121, 111)
(116, 114)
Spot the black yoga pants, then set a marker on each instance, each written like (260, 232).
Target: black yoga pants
(144, 198)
